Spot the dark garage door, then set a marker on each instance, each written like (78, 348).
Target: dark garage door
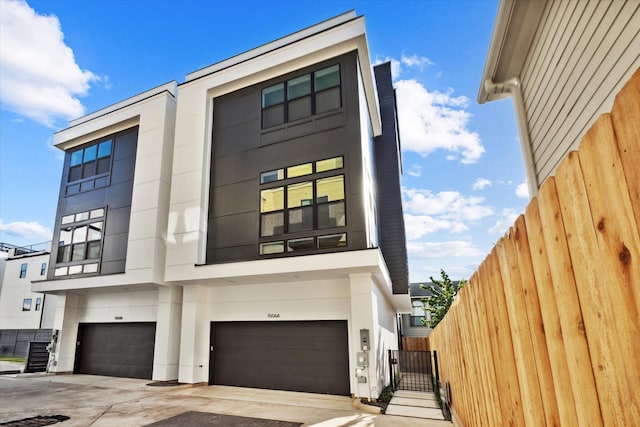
(116, 349)
(310, 356)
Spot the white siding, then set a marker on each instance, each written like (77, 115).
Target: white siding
(581, 56)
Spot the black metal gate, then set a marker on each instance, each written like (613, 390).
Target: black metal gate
(37, 357)
(411, 370)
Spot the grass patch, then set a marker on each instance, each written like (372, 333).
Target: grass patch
(11, 359)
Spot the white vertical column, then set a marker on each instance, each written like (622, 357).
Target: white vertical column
(194, 336)
(362, 318)
(167, 345)
(66, 323)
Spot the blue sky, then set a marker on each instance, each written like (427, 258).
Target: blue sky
(463, 183)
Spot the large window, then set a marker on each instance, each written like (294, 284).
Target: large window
(80, 242)
(302, 208)
(301, 97)
(89, 167)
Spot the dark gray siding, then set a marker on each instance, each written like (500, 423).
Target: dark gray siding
(115, 197)
(391, 232)
(242, 150)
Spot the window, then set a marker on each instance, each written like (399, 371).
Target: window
(23, 270)
(89, 161)
(89, 167)
(38, 303)
(26, 304)
(306, 202)
(80, 241)
(43, 268)
(301, 97)
(418, 315)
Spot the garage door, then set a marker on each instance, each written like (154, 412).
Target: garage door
(310, 356)
(116, 349)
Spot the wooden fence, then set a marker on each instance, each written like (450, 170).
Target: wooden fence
(547, 331)
(415, 343)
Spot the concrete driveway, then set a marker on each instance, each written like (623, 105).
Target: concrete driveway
(105, 401)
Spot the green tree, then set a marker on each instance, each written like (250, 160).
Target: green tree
(442, 293)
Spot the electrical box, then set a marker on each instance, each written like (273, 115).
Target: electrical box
(363, 360)
(364, 340)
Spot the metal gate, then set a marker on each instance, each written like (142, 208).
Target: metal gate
(411, 370)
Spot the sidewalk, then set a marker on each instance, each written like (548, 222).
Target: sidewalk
(11, 367)
(416, 404)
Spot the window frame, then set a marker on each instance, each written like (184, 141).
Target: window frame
(82, 181)
(286, 100)
(71, 223)
(331, 167)
(23, 270)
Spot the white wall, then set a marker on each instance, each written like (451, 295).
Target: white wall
(15, 290)
(303, 300)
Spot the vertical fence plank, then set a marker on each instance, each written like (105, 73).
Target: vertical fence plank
(618, 241)
(520, 332)
(508, 371)
(550, 317)
(570, 315)
(536, 324)
(625, 115)
(486, 386)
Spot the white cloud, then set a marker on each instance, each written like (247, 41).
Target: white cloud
(431, 121)
(416, 171)
(449, 249)
(415, 61)
(39, 77)
(417, 226)
(522, 190)
(26, 230)
(481, 183)
(506, 219)
(449, 205)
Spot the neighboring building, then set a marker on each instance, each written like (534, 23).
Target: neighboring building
(229, 231)
(414, 324)
(563, 62)
(24, 315)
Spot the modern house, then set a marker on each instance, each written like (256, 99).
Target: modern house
(24, 315)
(241, 228)
(562, 62)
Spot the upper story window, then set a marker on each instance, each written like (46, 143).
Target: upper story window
(80, 242)
(26, 304)
(38, 304)
(304, 202)
(23, 270)
(301, 97)
(43, 268)
(89, 167)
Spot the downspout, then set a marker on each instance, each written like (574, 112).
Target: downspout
(513, 86)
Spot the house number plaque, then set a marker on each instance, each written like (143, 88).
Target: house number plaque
(273, 315)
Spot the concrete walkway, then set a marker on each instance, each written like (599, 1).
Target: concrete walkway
(415, 404)
(106, 402)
